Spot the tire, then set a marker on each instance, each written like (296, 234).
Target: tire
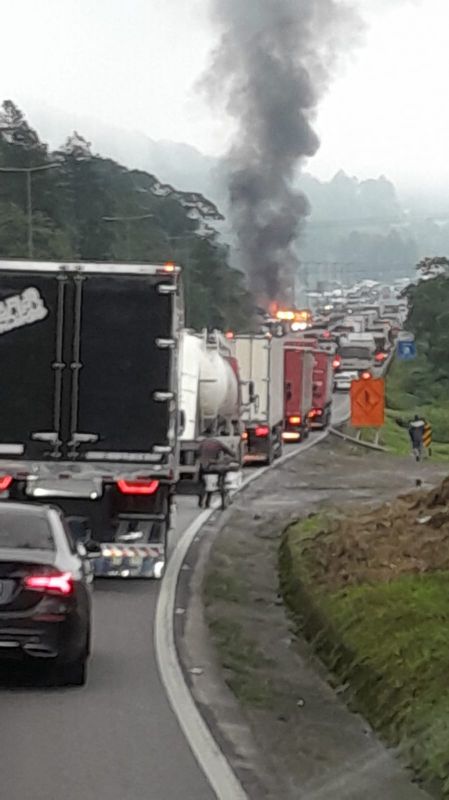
(74, 674)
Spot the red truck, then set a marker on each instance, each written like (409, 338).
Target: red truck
(323, 353)
(298, 385)
(323, 384)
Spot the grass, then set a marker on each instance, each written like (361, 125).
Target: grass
(390, 642)
(242, 661)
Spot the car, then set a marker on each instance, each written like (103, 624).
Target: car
(45, 590)
(343, 380)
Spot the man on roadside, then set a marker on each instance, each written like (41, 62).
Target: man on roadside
(416, 432)
(211, 451)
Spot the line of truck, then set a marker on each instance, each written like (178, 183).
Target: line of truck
(106, 396)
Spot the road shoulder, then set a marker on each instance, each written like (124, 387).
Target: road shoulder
(291, 735)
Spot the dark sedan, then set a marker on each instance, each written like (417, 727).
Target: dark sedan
(45, 588)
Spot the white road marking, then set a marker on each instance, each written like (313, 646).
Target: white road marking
(210, 758)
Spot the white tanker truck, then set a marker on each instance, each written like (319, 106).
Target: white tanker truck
(209, 399)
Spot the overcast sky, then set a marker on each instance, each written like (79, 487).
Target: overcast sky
(135, 64)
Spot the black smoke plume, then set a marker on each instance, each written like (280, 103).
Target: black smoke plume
(270, 68)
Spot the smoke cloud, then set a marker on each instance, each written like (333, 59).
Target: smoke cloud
(271, 67)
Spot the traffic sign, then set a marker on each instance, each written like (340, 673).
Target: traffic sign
(427, 438)
(406, 349)
(368, 403)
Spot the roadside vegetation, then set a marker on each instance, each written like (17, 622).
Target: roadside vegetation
(371, 591)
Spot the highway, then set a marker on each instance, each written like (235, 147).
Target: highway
(116, 738)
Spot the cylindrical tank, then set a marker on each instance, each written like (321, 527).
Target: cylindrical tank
(219, 391)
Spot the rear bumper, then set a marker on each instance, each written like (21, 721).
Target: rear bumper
(62, 638)
(130, 561)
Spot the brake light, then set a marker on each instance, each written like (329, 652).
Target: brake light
(169, 267)
(5, 482)
(366, 376)
(53, 584)
(245, 436)
(296, 420)
(138, 487)
(262, 431)
(336, 362)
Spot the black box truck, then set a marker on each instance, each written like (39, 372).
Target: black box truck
(88, 401)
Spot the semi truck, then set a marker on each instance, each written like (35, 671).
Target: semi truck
(323, 352)
(88, 394)
(209, 400)
(261, 364)
(298, 387)
(323, 386)
(357, 351)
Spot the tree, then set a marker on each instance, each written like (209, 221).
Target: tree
(92, 208)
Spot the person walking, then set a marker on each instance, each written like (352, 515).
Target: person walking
(416, 431)
(211, 451)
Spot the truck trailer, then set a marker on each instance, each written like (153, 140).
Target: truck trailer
(209, 400)
(261, 365)
(89, 401)
(298, 388)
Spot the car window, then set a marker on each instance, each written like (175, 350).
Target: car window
(25, 530)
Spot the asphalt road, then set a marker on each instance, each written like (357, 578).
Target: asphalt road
(116, 738)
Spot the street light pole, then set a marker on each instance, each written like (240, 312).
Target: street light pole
(28, 172)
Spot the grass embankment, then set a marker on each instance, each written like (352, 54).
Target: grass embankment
(241, 659)
(411, 389)
(372, 592)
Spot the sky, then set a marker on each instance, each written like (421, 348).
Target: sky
(136, 64)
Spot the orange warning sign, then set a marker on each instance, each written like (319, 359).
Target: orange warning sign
(368, 403)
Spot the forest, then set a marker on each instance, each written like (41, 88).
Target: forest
(70, 204)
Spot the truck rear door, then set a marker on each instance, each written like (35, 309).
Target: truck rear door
(117, 326)
(30, 358)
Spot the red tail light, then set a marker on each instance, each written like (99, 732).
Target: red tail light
(315, 412)
(138, 487)
(295, 420)
(336, 362)
(62, 583)
(5, 482)
(245, 436)
(262, 431)
(366, 376)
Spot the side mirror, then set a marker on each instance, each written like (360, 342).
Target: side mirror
(92, 549)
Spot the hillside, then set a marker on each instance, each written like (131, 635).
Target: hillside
(93, 208)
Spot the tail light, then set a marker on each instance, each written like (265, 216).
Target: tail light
(336, 362)
(295, 420)
(61, 583)
(245, 436)
(315, 412)
(138, 487)
(366, 376)
(5, 482)
(262, 431)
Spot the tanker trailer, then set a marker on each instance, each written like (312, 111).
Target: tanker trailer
(209, 400)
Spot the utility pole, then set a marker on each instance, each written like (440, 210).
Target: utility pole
(28, 171)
